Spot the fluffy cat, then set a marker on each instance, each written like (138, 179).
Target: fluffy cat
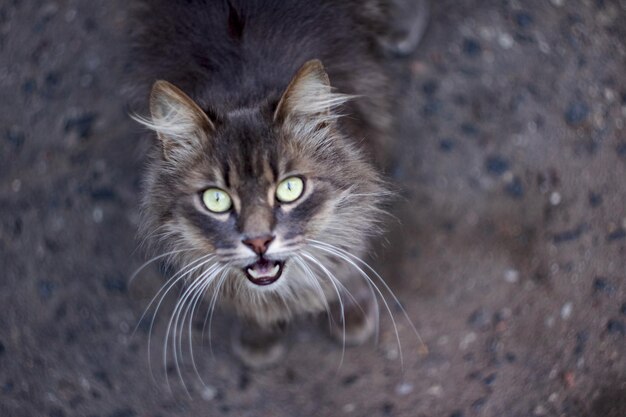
(263, 189)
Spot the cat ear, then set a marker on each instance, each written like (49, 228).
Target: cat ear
(309, 96)
(179, 122)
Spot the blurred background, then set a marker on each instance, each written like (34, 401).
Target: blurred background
(508, 255)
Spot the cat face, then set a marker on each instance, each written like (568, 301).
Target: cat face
(252, 189)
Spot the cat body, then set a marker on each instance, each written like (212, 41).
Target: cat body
(263, 188)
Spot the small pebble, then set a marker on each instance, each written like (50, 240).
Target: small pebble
(124, 412)
(602, 285)
(82, 125)
(581, 341)
(523, 19)
(496, 165)
(555, 198)
(540, 410)
(489, 379)
(391, 354)
(208, 393)
(16, 185)
(511, 276)
(467, 340)
(404, 389)
(616, 235)
(349, 408)
(435, 390)
(615, 326)
(471, 47)
(576, 113)
(387, 408)
(478, 404)
(46, 289)
(446, 145)
(480, 319)
(70, 15)
(505, 41)
(97, 215)
(115, 284)
(566, 310)
(595, 199)
(515, 189)
(568, 235)
(569, 378)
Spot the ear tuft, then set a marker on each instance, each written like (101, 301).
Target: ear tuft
(179, 122)
(309, 95)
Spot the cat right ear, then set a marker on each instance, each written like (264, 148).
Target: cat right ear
(309, 96)
(181, 125)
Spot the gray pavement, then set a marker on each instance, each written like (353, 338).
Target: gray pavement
(509, 251)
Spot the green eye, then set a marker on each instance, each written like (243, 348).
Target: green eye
(290, 189)
(216, 200)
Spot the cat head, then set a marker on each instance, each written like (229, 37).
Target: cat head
(252, 190)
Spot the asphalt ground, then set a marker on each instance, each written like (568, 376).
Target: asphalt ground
(508, 253)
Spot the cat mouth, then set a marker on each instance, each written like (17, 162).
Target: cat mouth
(264, 271)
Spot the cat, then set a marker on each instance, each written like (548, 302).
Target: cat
(265, 188)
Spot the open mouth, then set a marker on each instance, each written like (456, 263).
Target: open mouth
(264, 271)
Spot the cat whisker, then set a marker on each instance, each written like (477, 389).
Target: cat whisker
(173, 324)
(200, 296)
(179, 303)
(211, 308)
(366, 265)
(164, 290)
(335, 252)
(175, 278)
(156, 258)
(222, 252)
(309, 274)
(189, 311)
(341, 306)
(148, 236)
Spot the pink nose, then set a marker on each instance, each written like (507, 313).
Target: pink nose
(259, 244)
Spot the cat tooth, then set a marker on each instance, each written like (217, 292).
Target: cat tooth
(252, 273)
(275, 270)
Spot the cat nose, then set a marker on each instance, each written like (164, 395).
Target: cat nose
(259, 244)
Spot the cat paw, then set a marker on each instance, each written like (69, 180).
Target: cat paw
(257, 347)
(360, 316)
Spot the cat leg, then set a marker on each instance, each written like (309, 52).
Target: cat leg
(359, 320)
(259, 346)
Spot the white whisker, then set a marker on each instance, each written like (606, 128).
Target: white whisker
(364, 275)
(211, 308)
(362, 262)
(343, 317)
(145, 264)
(174, 321)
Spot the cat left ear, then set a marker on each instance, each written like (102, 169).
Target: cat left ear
(179, 122)
(309, 96)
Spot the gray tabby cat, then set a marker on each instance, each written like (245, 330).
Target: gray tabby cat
(263, 191)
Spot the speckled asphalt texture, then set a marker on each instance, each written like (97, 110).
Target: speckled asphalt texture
(508, 252)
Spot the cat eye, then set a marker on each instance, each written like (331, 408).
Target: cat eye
(290, 189)
(216, 200)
